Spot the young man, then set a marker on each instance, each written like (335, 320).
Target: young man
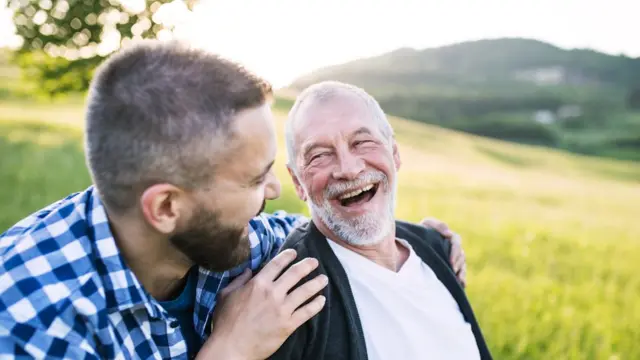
(391, 292)
(180, 146)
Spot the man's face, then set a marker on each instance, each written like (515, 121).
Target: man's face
(346, 170)
(216, 234)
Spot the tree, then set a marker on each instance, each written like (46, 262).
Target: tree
(65, 40)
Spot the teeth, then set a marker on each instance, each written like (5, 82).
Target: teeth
(356, 192)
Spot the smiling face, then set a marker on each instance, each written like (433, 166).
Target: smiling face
(345, 169)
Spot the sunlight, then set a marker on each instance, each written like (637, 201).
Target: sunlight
(133, 6)
(284, 39)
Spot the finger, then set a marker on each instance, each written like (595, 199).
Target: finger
(462, 276)
(438, 225)
(459, 263)
(238, 282)
(275, 267)
(295, 273)
(307, 312)
(305, 292)
(456, 249)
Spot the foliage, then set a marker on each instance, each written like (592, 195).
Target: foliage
(65, 40)
(552, 239)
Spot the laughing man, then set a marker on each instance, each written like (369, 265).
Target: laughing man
(392, 293)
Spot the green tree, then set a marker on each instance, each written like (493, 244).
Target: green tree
(65, 40)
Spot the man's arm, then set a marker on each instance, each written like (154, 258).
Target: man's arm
(271, 230)
(262, 307)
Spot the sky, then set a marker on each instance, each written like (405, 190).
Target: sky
(283, 39)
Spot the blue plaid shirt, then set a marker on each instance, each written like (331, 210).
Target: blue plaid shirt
(65, 291)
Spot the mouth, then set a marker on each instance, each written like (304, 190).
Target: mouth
(358, 196)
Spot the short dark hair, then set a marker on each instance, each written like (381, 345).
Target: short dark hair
(158, 112)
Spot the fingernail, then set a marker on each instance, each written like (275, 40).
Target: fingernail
(291, 252)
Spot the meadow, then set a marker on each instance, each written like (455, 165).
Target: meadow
(552, 239)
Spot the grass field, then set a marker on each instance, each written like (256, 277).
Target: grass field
(552, 240)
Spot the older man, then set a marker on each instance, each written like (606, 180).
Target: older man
(180, 145)
(391, 293)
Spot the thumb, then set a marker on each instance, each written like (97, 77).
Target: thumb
(237, 283)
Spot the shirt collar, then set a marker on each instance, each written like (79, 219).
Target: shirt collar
(122, 289)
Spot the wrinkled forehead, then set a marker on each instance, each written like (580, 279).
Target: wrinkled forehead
(330, 119)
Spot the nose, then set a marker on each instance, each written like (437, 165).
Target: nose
(348, 167)
(273, 187)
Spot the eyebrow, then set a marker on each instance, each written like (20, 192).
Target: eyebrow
(360, 131)
(264, 172)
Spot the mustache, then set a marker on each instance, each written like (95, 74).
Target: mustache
(339, 188)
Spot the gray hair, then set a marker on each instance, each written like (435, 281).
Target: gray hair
(159, 112)
(326, 91)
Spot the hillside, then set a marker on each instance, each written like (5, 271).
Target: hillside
(514, 89)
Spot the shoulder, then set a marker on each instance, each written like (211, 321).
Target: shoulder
(421, 235)
(45, 261)
(280, 222)
(299, 239)
(267, 232)
(41, 220)
(273, 228)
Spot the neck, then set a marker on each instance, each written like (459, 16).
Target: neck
(159, 266)
(387, 253)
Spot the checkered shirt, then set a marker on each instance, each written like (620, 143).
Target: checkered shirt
(66, 293)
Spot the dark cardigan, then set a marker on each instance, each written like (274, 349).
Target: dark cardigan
(336, 333)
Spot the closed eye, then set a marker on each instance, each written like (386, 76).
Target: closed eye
(317, 156)
(361, 142)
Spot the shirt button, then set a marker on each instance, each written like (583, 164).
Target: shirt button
(174, 324)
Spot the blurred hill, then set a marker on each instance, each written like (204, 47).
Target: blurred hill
(519, 90)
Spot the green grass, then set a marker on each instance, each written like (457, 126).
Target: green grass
(552, 239)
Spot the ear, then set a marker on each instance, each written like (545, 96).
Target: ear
(396, 154)
(162, 206)
(296, 183)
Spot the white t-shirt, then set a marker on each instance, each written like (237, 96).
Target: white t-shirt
(408, 315)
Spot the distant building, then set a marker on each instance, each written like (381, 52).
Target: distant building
(544, 116)
(555, 75)
(552, 75)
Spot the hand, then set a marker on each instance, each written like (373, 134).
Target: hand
(254, 317)
(458, 260)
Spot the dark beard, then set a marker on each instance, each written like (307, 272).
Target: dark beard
(210, 244)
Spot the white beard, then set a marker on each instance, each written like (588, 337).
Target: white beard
(368, 229)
